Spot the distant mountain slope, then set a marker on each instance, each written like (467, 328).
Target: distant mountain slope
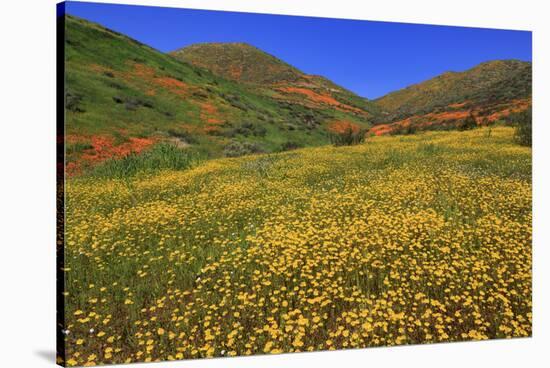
(239, 61)
(123, 96)
(271, 76)
(490, 88)
(478, 84)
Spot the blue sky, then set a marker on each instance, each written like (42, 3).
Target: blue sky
(369, 58)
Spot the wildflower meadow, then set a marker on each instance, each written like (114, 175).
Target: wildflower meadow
(397, 240)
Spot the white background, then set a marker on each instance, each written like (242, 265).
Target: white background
(27, 180)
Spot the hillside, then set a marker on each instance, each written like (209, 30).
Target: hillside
(270, 76)
(491, 91)
(239, 61)
(123, 96)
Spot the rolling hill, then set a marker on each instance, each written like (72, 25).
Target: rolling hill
(489, 91)
(239, 61)
(270, 76)
(123, 96)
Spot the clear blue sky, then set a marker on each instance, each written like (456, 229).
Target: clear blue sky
(369, 58)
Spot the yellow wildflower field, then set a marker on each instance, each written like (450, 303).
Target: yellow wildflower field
(400, 240)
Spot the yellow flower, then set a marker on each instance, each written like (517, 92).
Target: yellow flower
(268, 346)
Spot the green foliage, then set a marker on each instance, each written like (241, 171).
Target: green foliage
(430, 149)
(237, 148)
(77, 147)
(183, 135)
(290, 145)
(488, 131)
(247, 129)
(524, 127)
(160, 157)
(73, 101)
(119, 138)
(467, 123)
(348, 137)
(133, 103)
(405, 130)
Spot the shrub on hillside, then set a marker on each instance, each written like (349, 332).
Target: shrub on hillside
(235, 101)
(236, 149)
(183, 135)
(73, 101)
(113, 84)
(524, 122)
(468, 123)
(404, 130)
(485, 121)
(343, 133)
(132, 103)
(410, 129)
(290, 145)
(246, 129)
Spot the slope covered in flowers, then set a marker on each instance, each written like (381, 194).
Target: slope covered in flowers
(119, 92)
(400, 240)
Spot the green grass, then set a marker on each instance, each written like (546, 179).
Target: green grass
(77, 147)
(161, 157)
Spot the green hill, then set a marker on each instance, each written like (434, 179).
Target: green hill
(490, 90)
(239, 61)
(123, 96)
(479, 84)
(270, 76)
